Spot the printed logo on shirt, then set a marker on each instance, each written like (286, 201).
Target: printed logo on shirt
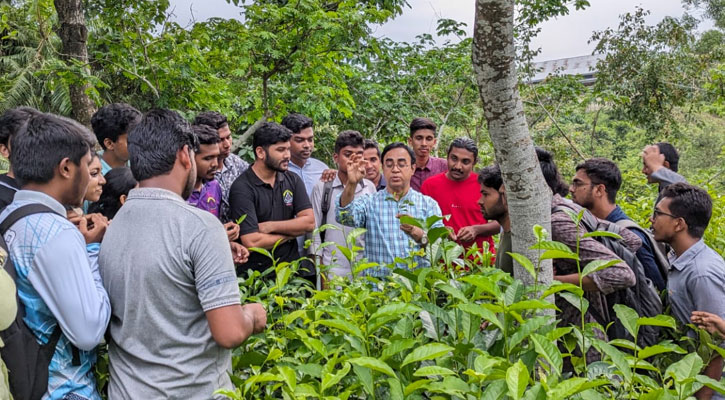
(288, 197)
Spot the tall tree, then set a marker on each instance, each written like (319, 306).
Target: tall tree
(73, 34)
(494, 63)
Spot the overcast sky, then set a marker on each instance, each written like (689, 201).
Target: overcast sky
(564, 37)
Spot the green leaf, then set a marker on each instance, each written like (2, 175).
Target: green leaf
(628, 317)
(665, 321)
(432, 220)
(396, 346)
(572, 386)
(495, 390)
(618, 358)
(433, 370)
(415, 385)
(395, 310)
(532, 305)
(577, 301)
(396, 389)
(602, 234)
(662, 348)
(486, 283)
(479, 310)
(374, 364)
(330, 380)
(241, 219)
(517, 379)
(430, 325)
(688, 367)
(455, 292)
(365, 376)
(557, 287)
(598, 265)
(289, 376)
(407, 219)
(549, 352)
(427, 352)
(557, 254)
(343, 326)
(527, 328)
(711, 383)
(524, 262)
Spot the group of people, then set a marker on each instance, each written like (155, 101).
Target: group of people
(144, 241)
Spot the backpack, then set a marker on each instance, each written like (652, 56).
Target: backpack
(658, 248)
(643, 297)
(26, 360)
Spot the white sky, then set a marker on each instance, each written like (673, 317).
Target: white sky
(560, 38)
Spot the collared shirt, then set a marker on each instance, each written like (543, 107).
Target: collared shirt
(8, 187)
(330, 254)
(310, 172)
(696, 282)
(384, 240)
(232, 168)
(261, 202)
(165, 264)
(608, 280)
(434, 166)
(56, 271)
(208, 198)
(645, 254)
(382, 184)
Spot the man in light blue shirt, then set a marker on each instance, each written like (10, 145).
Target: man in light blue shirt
(57, 278)
(386, 238)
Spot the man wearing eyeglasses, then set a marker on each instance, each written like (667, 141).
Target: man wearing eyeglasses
(595, 188)
(697, 274)
(386, 237)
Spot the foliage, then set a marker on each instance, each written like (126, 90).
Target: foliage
(447, 332)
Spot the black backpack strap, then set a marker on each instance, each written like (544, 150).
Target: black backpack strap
(22, 212)
(325, 206)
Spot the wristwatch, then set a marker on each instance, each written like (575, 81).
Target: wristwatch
(424, 240)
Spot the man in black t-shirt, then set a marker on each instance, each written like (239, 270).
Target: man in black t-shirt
(10, 123)
(273, 199)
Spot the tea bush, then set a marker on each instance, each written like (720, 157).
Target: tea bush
(458, 330)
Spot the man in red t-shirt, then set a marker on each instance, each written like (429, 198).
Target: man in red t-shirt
(457, 192)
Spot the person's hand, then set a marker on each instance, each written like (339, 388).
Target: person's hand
(652, 158)
(232, 231)
(412, 230)
(257, 314)
(355, 169)
(467, 234)
(74, 215)
(93, 227)
(709, 322)
(240, 254)
(328, 175)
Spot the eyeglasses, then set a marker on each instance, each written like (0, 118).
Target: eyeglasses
(577, 183)
(390, 164)
(657, 213)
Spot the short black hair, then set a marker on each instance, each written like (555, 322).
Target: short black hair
(154, 142)
(551, 172)
(348, 138)
(270, 133)
(206, 134)
(113, 120)
(212, 118)
(399, 145)
(491, 177)
(422, 123)
(119, 181)
(603, 171)
(692, 204)
(12, 120)
(297, 122)
(43, 142)
(464, 143)
(371, 144)
(671, 155)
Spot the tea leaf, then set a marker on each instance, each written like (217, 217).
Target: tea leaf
(374, 364)
(598, 265)
(433, 370)
(549, 352)
(628, 317)
(517, 379)
(427, 352)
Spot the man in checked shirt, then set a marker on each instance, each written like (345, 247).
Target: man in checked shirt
(386, 237)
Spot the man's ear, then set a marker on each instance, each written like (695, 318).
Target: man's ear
(65, 168)
(108, 143)
(184, 157)
(335, 157)
(666, 164)
(122, 199)
(410, 141)
(4, 151)
(680, 225)
(259, 152)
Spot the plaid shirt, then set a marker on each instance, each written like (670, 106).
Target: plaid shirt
(384, 240)
(232, 167)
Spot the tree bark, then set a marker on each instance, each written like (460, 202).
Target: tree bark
(239, 142)
(73, 34)
(528, 196)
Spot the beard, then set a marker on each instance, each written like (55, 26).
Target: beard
(190, 181)
(79, 189)
(275, 165)
(495, 213)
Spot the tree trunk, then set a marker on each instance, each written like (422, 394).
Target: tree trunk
(239, 142)
(73, 34)
(528, 196)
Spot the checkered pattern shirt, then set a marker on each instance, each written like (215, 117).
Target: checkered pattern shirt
(384, 240)
(232, 167)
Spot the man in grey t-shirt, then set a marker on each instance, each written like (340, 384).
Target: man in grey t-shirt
(170, 277)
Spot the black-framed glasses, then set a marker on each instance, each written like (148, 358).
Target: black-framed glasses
(657, 213)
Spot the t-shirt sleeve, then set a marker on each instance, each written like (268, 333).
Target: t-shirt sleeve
(301, 199)
(214, 274)
(425, 188)
(241, 202)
